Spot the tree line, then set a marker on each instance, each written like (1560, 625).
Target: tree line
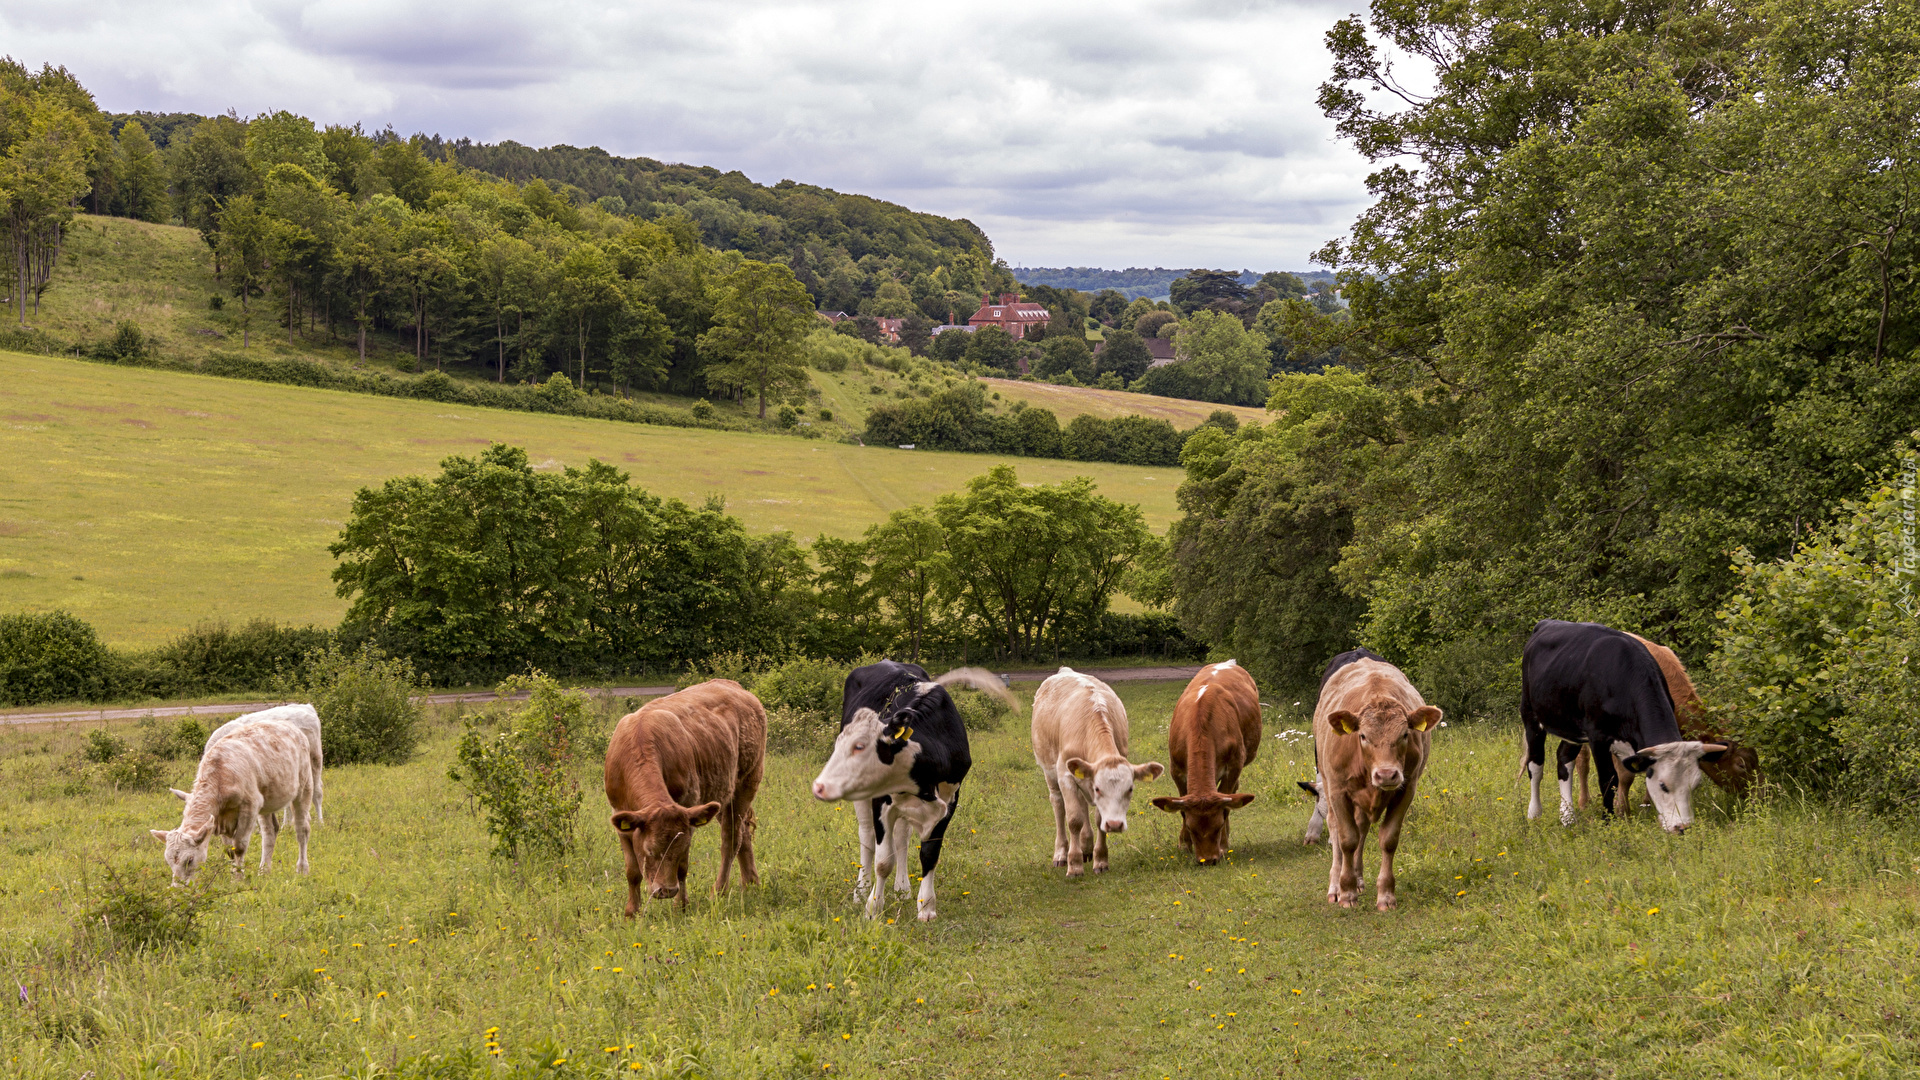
(957, 418)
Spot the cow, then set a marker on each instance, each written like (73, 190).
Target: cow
(1080, 741)
(303, 717)
(1371, 742)
(675, 764)
(1316, 825)
(1584, 683)
(243, 779)
(1733, 773)
(1215, 733)
(901, 755)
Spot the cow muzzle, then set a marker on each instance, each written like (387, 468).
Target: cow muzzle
(1389, 779)
(824, 793)
(1113, 826)
(664, 892)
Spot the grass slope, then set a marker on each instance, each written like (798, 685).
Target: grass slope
(1774, 940)
(1068, 402)
(143, 501)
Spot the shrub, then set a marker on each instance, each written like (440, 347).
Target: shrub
(50, 657)
(701, 409)
(167, 742)
(139, 908)
(136, 770)
(216, 658)
(369, 704)
(1472, 678)
(981, 712)
(1812, 666)
(788, 416)
(799, 731)
(127, 345)
(523, 777)
(103, 746)
(810, 686)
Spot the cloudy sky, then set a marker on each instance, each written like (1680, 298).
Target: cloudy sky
(1094, 134)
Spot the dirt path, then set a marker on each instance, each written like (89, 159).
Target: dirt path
(1141, 674)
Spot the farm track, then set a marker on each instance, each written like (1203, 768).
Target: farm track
(1143, 674)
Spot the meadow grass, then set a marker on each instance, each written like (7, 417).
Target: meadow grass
(1068, 402)
(144, 501)
(1775, 939)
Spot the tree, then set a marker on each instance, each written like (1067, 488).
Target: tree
(142, 180)
(1125, 355)
(586, 295)
(247, 239)
(43, 172)
(992, 347)
(282, 138)
(210, 168)
(762, 314)
(1201, 287)
(916, 331)
(1224, 356)
(908, 555)
(1066, 353)
(364, 251)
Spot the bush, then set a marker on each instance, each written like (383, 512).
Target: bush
(50, 657)
(369, 705)
(103, 746)
(810, 686)
(1813, 664)
(127, 345)
(523, 778)
(137, 770)
(1472, 678)
(168, 742)
(980, 712)
(215, 658)
(701, 409)
(140, 908)
(787, 416)
(799, 731)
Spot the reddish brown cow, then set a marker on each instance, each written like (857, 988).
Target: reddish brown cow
(1215, 733)
(1370, 737)
(1733, 772)
(675, 765)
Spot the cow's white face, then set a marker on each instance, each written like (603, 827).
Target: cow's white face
(870, 759)
(1110, 787)
(186, 852)
(1672, 771)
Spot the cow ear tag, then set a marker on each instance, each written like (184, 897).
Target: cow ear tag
(900, 734)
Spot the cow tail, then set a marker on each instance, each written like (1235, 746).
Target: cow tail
(982, 680)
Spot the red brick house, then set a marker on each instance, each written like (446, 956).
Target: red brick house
(1012, 314)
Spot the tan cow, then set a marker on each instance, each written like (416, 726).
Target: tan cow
(1215, 733)
(1370, 733)
(1734, 773)
(673, 766)
(243, 780)
(1080, 741)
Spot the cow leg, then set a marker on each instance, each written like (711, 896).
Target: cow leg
(1343, 879)
(1563, 764)
(749, 824)
(884, 858)
(930, 860)
(1536, 757)
(1580, 769)
(729, 844)
(631, 854)
(1099, 840)
(1389, 844)
(269, 832)
(1077, 838)
(1622, 802)
(868, 814)
(1059, 818)
(1610, 793)
(299, 816)
(901, 837)
(1317, 824)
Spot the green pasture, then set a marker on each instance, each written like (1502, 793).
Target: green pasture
(143, 501)
(1776, 939)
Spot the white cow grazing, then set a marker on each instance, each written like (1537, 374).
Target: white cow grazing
(1080, 741)
(301, 716)
(244, 778)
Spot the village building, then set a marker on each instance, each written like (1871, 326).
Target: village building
(1012, 314)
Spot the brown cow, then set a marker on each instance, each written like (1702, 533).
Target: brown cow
(1215, 733)
(675, 765)
(1370, 733)
(1734, 773)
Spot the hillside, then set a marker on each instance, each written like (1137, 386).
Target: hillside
(143, 500)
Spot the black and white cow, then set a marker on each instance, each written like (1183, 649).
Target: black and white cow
(1317, 824)
(901, 755)
(1588, 684)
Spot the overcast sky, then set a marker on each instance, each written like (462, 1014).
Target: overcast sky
(1092, 134)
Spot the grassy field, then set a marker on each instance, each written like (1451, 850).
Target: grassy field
(1772, 940)
(143, 501)
(1068, 402)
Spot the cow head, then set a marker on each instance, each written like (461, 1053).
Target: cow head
(870, 758)
(186, 850)
(661, 838)
(1386, 739)
(1203, 821)
(1108, 785)
(1672, 771)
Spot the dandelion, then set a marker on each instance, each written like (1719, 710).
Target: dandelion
(256, 1046)
(618, 971)
(283, 1016)
(1299, 991)
(811, 986)
(1653, 911)
(919, 1001)
(609, 1049)
(1242, 971)
(559, 1062)
(381, 994)
(319, 971)
(1816, 881)
(845, 1038)
(775, 992)
(1462, 892)
(492, 1030)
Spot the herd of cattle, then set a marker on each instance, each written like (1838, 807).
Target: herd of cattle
(690, 758)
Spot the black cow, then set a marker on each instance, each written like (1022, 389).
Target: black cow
(1317, 824)
(901, 754)
(1588, 684)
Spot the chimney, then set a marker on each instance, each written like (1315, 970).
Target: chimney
(1009, 298)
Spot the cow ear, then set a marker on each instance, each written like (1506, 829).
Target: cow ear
(201, 836)
(700, 815)
(1424, 718)
(1308, 788)
(1170, 804)
(178, 794)
(1239, 800)
(1714, 751)
(1638, 763)
(158, 835)
(1079, 767)
(628, 821)
(1343, 721)
(1150, 771)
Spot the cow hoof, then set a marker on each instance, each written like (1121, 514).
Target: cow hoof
(927, 914)
(1099, 868)
(1059, 860)
(1076, 871)
(1386, 903)
(1345, 901)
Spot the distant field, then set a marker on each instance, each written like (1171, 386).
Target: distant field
(143, 501)
(1772, 941)
(1068, 402)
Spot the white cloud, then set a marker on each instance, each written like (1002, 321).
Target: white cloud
(1114, 134)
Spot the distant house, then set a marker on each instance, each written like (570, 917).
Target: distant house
(1161, 349)
(835, 316)
(1012, 314)
(944, 327)
(890, 329)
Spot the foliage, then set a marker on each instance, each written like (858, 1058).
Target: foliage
(957, 418)
(757, 325)
(524, 778)
(218, 658)
(138, 908)
(370, 705)
(799, 731)
(50, 657)
(1813, 662)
